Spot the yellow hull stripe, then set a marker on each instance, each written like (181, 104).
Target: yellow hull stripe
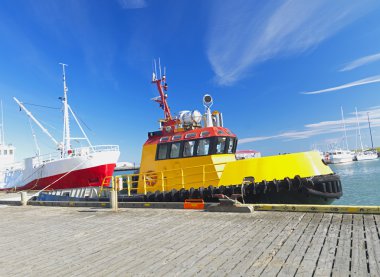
(318, 208)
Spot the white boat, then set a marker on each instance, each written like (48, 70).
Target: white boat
(68, 167)
(338, 155)
(368, 154)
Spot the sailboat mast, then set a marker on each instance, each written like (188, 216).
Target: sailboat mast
(66, 122)
(370, 131)
(360, 135)
(344, 127)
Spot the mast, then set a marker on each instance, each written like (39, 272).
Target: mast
(370, 131)
(66, 120)
(344, 127)
(360, 135)
(162, 86)
(2, 139)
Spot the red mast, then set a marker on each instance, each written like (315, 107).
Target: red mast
(162, 86)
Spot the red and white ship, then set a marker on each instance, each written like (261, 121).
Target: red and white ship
(67, 168)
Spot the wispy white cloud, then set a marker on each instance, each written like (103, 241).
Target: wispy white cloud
(360, 62)
(132, 4)
(369, 80)
(324, 127)
(243, 35)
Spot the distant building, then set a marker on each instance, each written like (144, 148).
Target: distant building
(247, 154)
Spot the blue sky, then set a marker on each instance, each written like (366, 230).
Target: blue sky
(278, 70)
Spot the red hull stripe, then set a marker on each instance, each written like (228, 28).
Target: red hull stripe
(89, 177)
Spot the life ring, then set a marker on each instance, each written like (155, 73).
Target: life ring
(151, 179)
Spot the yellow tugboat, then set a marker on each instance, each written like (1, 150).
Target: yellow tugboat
(193, 156)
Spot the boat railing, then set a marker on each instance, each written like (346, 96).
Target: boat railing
(102, 148)
(80, 151)
(166, 180)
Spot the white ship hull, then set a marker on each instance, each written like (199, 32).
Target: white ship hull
(84, 168)
(363, 156)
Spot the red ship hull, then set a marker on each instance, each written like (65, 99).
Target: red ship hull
(88, 177)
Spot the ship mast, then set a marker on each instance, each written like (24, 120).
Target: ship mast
(66, 120)
(370, 131)
(162, 86)
(360, 135)
(344, 127)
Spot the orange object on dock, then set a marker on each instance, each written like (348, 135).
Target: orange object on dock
(194, 204)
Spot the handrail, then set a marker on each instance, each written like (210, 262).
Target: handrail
(165, 176)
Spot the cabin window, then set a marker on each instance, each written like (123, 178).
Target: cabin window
(220, 145)
(230, 148)
(163, 139)
(203, 147)
(10, 152)
(205, 134)
(177, 137)
(220, 132)
(5, 152)
(190, 135)
(175, 150)
(0, 152)
(162, 151)
(188, 148)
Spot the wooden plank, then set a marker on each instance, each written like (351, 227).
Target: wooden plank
(342, 260)
(273, 239)
(300, 260)
(294, 240)
(233, 255)
(211, 245)
(358, 259)
(259, 264)
(373, 245)
(296, 255)
(327, 255)
(230, 256)
(183, 244)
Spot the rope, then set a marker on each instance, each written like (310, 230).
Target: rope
(60, 178)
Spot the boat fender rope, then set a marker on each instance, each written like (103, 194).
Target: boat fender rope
(265, 186)
(289, 183)
(276, 184)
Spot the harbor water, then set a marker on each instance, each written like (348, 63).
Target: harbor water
(360, 182)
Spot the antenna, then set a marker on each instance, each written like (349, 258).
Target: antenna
(155, 68)
(159, 67)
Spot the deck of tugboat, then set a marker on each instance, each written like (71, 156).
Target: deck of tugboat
(59, 241)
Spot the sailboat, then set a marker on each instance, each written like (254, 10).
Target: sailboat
(368, 154)
(339, 155)
(68, 167)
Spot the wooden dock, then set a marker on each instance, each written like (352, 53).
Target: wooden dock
(57, 241)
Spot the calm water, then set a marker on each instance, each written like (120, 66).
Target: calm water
(360, 182)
